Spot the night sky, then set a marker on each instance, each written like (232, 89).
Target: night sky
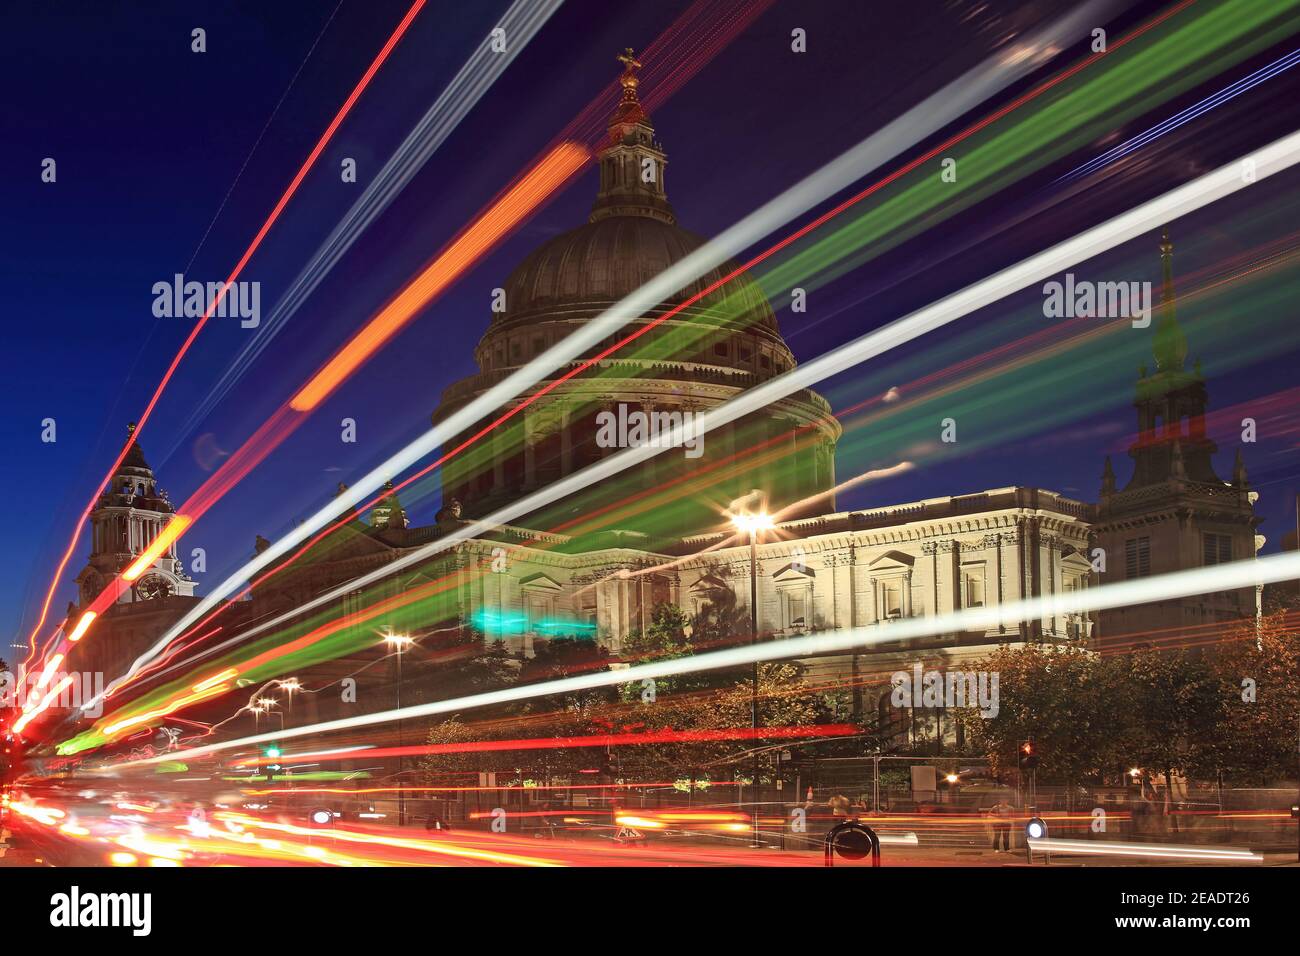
(169, 161)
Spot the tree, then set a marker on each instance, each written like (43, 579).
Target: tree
(458, 666)
(1168, 701)
(720, 621)
(1256, 682)
(557, 658)
(669, 635)
(1061, 696)
(461, 757)
(784, 701)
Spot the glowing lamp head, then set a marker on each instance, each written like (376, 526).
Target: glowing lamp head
(398, 642)
(1036, 828)
(321, 817)
(753, 522)
(951, 778)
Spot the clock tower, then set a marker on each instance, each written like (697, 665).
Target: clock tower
(130, 514)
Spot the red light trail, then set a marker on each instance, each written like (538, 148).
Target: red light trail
(588, 363)
(292, 188)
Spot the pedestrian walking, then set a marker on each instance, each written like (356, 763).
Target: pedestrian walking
(1001, 814)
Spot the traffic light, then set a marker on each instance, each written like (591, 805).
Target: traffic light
(1027, 757)
(272, 754)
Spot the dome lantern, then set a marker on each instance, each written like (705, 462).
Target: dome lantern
(632, 161)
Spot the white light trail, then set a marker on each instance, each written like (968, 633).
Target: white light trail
(1165, 851)
(1165, 587)
(520, 23)
(912, 127)
(1149, 216)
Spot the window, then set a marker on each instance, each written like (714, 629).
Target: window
(539, 344)
(1137, 557)
(972, 586)
(891, 600)
(798, 614)
(746, 355)
(765, 361)
(1216, 548)
(720, 348)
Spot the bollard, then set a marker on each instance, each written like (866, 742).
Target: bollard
(853, 841)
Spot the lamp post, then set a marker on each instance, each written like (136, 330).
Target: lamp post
(397, 643)
(753, 523)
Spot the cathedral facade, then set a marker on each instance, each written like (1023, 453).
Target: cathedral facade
(599, 563)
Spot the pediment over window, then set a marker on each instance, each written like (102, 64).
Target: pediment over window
(1074, 561)
(900, 560)
(790, 573)
(540, 582)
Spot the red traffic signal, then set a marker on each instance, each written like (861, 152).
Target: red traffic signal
(1027, 756)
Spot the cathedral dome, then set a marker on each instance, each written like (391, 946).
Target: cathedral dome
(688, 356)
(592, 267)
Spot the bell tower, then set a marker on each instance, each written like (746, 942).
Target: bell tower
(1175, 512)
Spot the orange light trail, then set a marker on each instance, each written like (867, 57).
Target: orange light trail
(374, 839)
(586, 364)
(512, 208)
(211, 690)
(505, 214)
(447, 267)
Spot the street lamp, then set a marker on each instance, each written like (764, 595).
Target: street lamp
(753, 523)
(397, 643)
(290, 686)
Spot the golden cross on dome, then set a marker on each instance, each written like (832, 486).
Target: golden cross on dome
(629, 60)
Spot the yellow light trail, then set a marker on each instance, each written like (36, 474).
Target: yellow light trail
(166, 536)
(79, 631)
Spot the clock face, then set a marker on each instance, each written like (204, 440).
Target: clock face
(154, 587)
(91, 585)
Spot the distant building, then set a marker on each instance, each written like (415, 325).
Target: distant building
(1175, 512)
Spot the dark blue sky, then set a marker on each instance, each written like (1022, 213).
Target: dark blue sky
(149, 139)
